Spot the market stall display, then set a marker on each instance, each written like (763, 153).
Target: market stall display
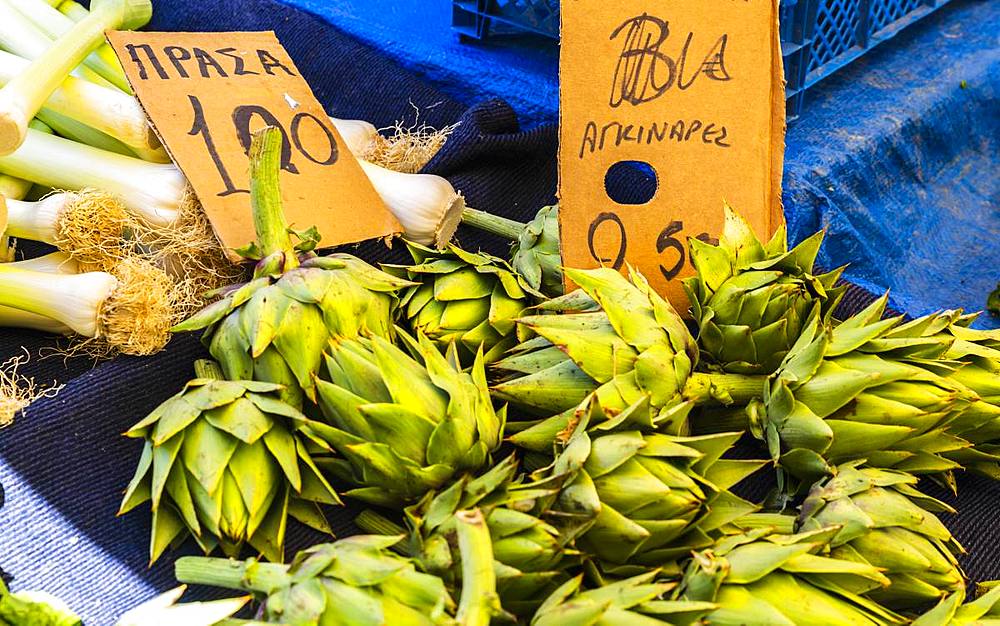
(531, 456)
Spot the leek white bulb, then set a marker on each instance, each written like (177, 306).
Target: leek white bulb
(427, 206)
(357, 134)
(73, 299)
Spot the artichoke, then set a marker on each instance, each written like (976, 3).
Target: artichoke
(945, 344)
(618, 338)
(884, 521)
(226, 461)
(529, 553)
(783, 580)
(275, 327)
(751, 300)
(842, 394)
(535, 251)
(403, 427)
(466, 299)
(34, 608)
(951, 612)
(357, 581)
(635, 499)
(637, 600)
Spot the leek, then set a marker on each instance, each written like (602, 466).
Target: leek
(55, 263)
(16, 188)
(90, 226)
(54, 24)
(427, 206)
(22, 97)
(20, 36)
(128, 311)
(152, 192)
(108, 110)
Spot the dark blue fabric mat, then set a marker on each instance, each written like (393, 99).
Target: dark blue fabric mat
(64, 464)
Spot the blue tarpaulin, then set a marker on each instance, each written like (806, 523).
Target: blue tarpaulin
(897, 156)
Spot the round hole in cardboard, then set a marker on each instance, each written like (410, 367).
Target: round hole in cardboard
(631, 182)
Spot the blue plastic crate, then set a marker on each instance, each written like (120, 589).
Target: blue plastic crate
(818, 37)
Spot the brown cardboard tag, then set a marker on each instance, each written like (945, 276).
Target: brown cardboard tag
(207, 92)
(694, 89)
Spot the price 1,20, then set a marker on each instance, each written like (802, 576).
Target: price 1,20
(242, 118)
(666, 242)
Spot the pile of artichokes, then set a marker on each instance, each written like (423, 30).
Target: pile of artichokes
(612, 492)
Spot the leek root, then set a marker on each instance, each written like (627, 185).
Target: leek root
(90, 226)
(128, 312)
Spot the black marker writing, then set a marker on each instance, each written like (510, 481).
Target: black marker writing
(645, 72)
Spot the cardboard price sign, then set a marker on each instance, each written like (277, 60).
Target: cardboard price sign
(693, 91)
(207, 92)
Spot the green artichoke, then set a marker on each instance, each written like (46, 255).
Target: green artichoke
(632, 498)
(887, 523)
(983, 611)
(535, 251)
(530, 554)
(784, 580)
(752, 300)
(618, 338)
(637, 600)
(226, 462)
(358, 582)
(945, 344)
(466, 299)
(34, 608)
(275, 327)
(403, 427)
(842, 395)
(993, 301)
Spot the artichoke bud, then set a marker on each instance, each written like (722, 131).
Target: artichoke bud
(634, 499)
(275, 327)
(634, 350)
(842, 394)
(536, 254)
(761, 576)
(222, 460)
(751, 299)
(881, 524)
(408, 425)
(465, 299)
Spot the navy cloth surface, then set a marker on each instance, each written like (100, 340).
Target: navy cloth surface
(64, 464)
(897, 156)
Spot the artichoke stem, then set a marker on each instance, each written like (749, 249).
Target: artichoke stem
(207, 368)
(378, 524)
(229, 574)
(500, 226)
(265, 195)
(727, 389)
(720, 420)
(479, 600)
